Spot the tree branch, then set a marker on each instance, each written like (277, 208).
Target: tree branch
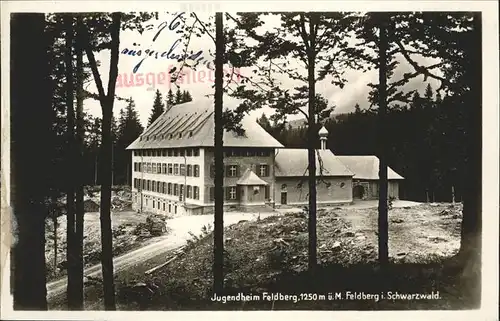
(418, 68)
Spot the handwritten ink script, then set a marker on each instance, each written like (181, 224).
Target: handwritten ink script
(191, 58)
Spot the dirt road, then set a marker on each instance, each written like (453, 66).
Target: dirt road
(180, 228)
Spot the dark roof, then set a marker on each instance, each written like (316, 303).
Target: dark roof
(366, 167)
(294, 162)
(191, 124)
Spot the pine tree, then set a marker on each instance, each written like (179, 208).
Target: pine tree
(170, 99)
(178, 97)
(186, 96)
(129, 128)
(416, 102)
(264, 122)
(158, 108)
(429, 94)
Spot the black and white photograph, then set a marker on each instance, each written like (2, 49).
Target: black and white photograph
(225, 156)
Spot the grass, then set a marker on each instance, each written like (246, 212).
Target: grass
(270, 255)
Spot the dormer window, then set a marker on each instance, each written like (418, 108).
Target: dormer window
(190, 133)
(180, 135)
(170, 136)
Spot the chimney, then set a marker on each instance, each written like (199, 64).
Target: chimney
(323, 137)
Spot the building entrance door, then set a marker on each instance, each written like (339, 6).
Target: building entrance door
(283, 198)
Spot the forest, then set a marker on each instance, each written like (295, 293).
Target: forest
(426, 145)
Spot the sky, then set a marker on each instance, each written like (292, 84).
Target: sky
(199, 83)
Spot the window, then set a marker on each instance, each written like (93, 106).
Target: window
(169, 153)
(175, 209)
(154, 168)
(141, 167)
(196, 152)
(182, 152)
(164, 191)
(176, 152)
(342, 185)
(155, 186)
(153, 204)
(163, 153)
(163, 168)
(196, 192)
(189, 191)
(189, 170)
(163, 207)
(232, 192)
(148, 186)
(233, 171)
(189, 152)
(183, 170)
(169, 189)
(158, 168)
(149, 168)
(267, 192)
(176, 169)
(143, 184)
(264, 170)
(170, 208)
(181, 192)
(176, 190)
(170, 169)
(135, 167)
(196, 171)
(283, 187)
(250, 153)
(211, 193)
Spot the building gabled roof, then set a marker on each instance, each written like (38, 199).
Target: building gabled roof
(250, 178)
(191, 124)
(294, 162)
(366, 167)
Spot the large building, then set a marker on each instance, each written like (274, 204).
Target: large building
(173, 166)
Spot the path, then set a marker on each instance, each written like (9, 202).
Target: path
(355, 205)
(180, 228)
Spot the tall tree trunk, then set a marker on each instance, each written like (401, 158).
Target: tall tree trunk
(105, 211)
(311, 152)
(105, 175)
(70, 167)
(218, 268)
(383, 225)
(470, 246)
(79, 177)
(30, 98)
